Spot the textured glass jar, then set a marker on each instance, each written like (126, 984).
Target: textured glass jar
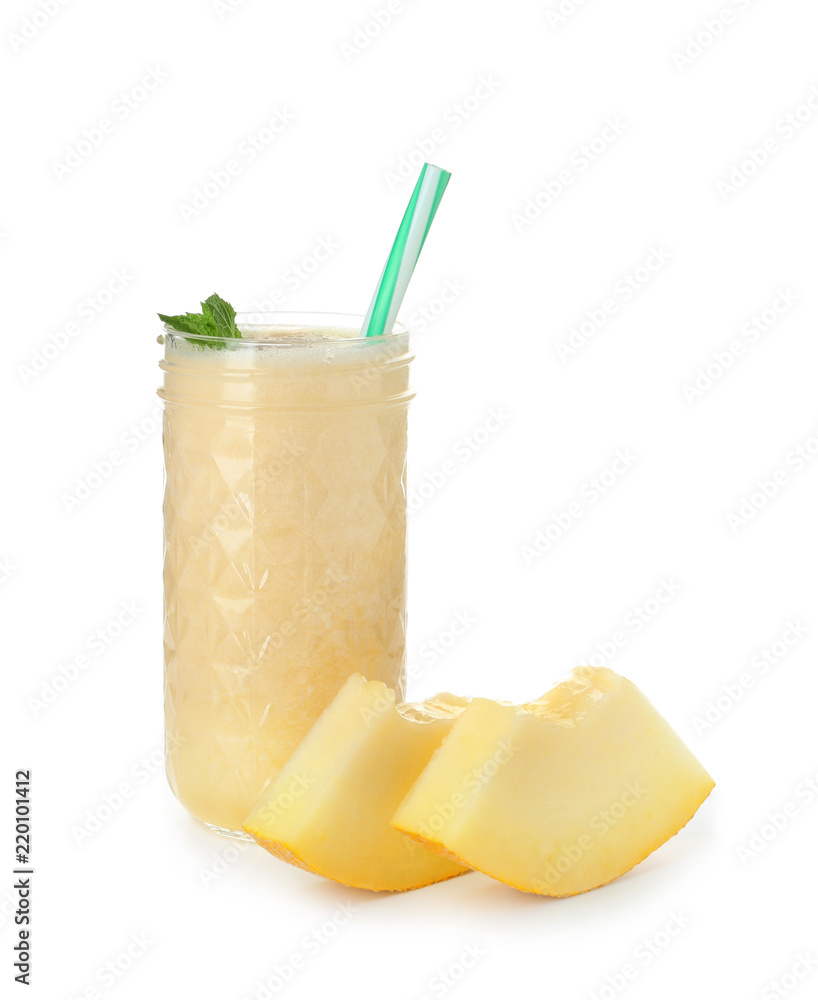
(285, 542)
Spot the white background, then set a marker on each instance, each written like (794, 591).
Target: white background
(548, 89)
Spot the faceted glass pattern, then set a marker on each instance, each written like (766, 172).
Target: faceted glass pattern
(285, 552)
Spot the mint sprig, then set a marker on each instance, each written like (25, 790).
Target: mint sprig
(217, 320)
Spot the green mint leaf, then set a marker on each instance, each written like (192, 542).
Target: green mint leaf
(217, 320)
(224, 316)
(190, 323)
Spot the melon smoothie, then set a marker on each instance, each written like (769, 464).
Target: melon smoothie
(285, 542)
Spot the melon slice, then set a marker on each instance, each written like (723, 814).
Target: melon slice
(328, 809)
(560, 795)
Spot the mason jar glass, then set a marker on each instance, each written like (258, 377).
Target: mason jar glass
(284, 542)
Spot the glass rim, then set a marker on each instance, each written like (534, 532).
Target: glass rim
(250, 321)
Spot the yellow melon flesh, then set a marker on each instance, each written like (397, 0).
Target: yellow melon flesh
(328, 809)
(561, 795)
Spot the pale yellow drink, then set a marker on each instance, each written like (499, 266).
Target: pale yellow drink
(285, 568)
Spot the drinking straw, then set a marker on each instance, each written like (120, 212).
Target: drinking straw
(400, 264)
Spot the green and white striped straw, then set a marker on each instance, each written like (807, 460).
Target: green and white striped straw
(394, 281)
